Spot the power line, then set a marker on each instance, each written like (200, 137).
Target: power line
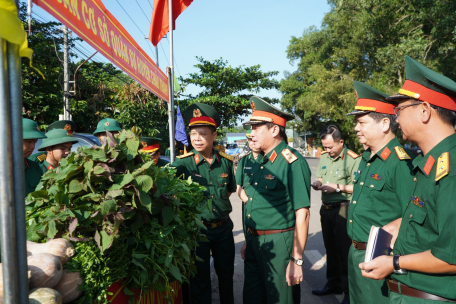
(142, 11)
(150, 5)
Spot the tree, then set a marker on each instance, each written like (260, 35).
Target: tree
(364, 40)
(228, 89)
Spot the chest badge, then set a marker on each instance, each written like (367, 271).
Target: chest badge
(269, 177)
(416, 200)
(224, 175)
(376, 176)
(324, 167)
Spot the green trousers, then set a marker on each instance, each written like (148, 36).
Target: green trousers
(220, 242)
(364, 290)
(265, 265)
(396, 298)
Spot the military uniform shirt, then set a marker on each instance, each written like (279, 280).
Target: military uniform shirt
(382, 187)
(218, 178)
(32, 175)
(244, 170)
(428, 222)
(339, 170)
(278, 186)
(45, 166)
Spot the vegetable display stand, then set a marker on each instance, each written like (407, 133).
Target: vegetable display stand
(151, 297)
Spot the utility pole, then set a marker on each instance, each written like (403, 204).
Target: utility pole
(66, 80)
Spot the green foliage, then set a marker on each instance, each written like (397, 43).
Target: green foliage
(227, 89)
(364, 40)
(130, 221)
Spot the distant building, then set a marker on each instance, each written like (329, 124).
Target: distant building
(232, 138)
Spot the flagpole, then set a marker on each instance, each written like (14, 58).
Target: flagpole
(171, 85)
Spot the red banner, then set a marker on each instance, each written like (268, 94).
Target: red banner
(92, 22)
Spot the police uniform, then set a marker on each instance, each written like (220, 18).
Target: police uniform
(334, 211)
(152, 146)
(54, 137)
(67, 125)
(218, 178)
(276, 187)
(381, 188)
(428, 222)
(30, 130)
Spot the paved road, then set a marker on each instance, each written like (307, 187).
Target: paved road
(314, 254)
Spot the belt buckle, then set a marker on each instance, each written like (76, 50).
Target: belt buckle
(327, 207)
(355, 244)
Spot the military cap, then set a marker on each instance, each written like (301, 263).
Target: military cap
(200, 114)
(149, 144)
(369, 100)
(263, 112)
(422, 83)
(67, 125)
(30, 129)
(57, 137)
(108, 124)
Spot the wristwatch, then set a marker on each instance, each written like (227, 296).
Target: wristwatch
(298, 262)
(337, 189)
(397, 268)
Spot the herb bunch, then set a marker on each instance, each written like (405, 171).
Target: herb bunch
(129, 220)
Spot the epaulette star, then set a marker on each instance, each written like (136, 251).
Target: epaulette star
(185, 155)
(227, 156)
(289, 156)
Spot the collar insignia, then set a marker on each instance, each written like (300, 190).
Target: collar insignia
(416, 200)
(196, 158)
(273, 156)
(106, 124)
(197, 113)
(252, 104)
(269, 176)
(50, 167)
(386, 152)
(224, 175)
(429, 164)
(376, 176)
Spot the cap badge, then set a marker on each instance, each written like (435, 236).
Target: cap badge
(106, 124)
(416, 200)
(197, 113)
(252, 104)
(67, 127)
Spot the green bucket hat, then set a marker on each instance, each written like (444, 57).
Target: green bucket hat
(369, 100)
(30, 129)
(422, 83)
(108, 124)
(200, 114)
(67, 125)
(263, 112)
(150, 144)
(57, 137)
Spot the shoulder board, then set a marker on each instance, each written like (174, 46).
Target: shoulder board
(227, 156)
(352, 154)
(401, 154)
(245, 155)
(289, 156)
(443, 166)
(185, 155)
(323, 152)
(41, 157)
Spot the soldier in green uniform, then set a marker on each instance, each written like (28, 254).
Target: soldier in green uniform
(152, 146)
(67, 125)
(30, 134)
(381, 186)
(57, 146)
(335, 173)
(424, 261)
(276, 213)
(107, 124)
(214, 170)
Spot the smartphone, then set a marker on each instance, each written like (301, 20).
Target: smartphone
(313, 186)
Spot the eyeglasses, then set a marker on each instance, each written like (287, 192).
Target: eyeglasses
(397, 110)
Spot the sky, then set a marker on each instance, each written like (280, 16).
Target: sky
(242, 32)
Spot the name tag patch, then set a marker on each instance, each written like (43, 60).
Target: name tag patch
(197, 175)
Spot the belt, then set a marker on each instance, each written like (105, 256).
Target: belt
(215, 224)
(415, 293)
(267, 232)
(359, 245)
(331, 206)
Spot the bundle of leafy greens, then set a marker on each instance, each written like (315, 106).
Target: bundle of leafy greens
(129, 220)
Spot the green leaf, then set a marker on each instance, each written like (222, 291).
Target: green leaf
(114, 193)
(52, 230)
(175, 272)
(61, 198)
(108, 206)
(145, 200)
(168, 214)
(144, 182)
(106, 240)
(75, 186)
(133, 144)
